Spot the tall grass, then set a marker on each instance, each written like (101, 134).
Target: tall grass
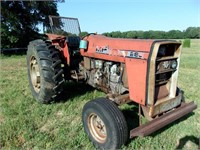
(186, 43)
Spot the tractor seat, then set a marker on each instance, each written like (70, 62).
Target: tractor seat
(73, 45)
(73, 42)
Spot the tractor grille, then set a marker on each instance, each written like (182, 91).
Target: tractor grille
(166, 65)
(64, 26)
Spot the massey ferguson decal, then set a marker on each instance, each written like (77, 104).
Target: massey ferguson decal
(133, 54)
(123, 53)
(102, 50)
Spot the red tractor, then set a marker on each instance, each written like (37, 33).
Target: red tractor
(127, 70)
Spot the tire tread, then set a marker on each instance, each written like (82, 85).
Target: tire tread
(117, 118)
(50, 63)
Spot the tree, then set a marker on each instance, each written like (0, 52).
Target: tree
(116, 34)
(20, 20)
(140, 34)
(146, 35)
(84, 33)
(174, 34)
(192, 32)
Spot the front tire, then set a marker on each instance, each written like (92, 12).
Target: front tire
(104, 124)
(44, 71)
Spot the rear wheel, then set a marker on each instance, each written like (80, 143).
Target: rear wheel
(104, 124)
(44, 71)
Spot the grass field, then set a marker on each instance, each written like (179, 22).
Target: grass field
(26, 124)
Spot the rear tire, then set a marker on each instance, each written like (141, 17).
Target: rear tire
(44, 71)
(104, 124)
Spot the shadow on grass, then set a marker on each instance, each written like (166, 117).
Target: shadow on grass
(132, 118)
(73, 89)
(172, 124)
(185, 139)
(18, 52)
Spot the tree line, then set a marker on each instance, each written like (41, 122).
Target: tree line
(190, 33)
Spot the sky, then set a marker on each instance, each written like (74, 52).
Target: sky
(124, 15)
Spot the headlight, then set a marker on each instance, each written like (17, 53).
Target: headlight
(174, 64)
(166, 64)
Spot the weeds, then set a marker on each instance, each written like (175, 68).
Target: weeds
(186, 43)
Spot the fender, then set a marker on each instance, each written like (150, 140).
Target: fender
(60, 42)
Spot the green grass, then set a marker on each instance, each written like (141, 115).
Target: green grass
(26, 124)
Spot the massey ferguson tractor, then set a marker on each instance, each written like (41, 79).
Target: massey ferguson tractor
(143, 72)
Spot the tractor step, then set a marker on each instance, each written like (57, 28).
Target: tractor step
(162, 121)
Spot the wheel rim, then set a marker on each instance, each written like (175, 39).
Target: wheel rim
(97, 128)
(35, 74)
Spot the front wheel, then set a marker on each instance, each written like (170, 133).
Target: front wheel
(104, 124)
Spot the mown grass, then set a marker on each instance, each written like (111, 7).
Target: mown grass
(26, 124)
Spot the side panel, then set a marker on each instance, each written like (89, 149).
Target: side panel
(136, 73)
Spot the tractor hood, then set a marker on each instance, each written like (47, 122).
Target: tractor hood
(116, 46)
